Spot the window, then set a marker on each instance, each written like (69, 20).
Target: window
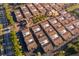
(46, 25)
(30, 40)
(40, 35)
(24, 7)
(53, 11)
(63, 31)
(26, 33)
(19, 15)
(55, 21)
(77, 24)
(71, 27)
(17, 12)
(59, 25)
(37, 29)
(34, 10)
(41, 8)
(50, 30)
(63, 12)
(47, 6)
(30, 5)
(44, 42)
(61, 18)
(27, 12)
(54, 36)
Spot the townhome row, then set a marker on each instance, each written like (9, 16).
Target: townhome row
(50, 34)
(29, 10)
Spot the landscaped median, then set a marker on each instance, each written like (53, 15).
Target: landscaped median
(16, 45)
(8, 14)
(1, 27)
(1, 39)
(72, 48)
(73, 7)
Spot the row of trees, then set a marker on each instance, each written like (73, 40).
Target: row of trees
(72, 7)
(1, 27)
(8, 13)
(16, 44)
(72, 48)
(1, 39)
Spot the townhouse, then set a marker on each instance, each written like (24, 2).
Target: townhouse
(76, 24)
(40, 8)
(26, 12)
(60, 29)
(42, 39)
(18, 15)
(50, 11)
(74, 30)
(32, 9)
(52, 34)
(55, 6)
(62, 20)
(29, 40)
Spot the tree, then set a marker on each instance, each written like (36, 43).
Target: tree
(17, 47)
(1, 27)
(8, 14)
(38, 54)
(1, 39)
(71, 49)
(61, 53)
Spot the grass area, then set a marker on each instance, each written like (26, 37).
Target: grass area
(39, 18)
(73, 7)
(72, 48)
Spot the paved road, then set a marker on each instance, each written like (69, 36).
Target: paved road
(3, 19)
(7, 44)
